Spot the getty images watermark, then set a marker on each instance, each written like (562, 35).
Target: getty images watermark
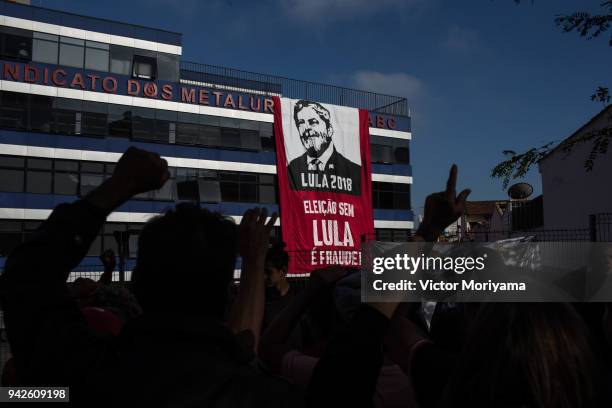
(514, 270)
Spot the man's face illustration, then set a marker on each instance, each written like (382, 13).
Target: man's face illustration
(313, 132)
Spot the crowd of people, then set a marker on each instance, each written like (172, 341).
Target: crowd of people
(181, 338)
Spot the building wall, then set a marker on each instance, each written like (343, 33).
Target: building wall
(62, 127)
(570, 192)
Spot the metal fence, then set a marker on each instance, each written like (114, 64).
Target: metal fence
(599, 230)
(294, 88)
(600, 227)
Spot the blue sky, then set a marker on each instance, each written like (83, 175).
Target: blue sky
(480, 76)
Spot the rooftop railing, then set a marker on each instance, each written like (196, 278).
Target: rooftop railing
(236, 79)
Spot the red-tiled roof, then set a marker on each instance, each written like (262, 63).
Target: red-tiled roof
(483, 207)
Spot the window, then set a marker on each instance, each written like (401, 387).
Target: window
(391, 195)
(165, 126)
(96, 56)
(382, 195)
(119, 120)
(72, 52)
(143, 124)
(248, 187)
(381, 153)
(402, 155)
(385, 235)
(14, 111)
(249, 135)
(188, 128)
(210, 131)
(67, 116)
(267, 188)
(94, 118)
(45, 48)
(121, 59)
(229, 123)
(401, 196)
(392, 235)
(66, 165)
(40, 164)
(230, 187)
(11, 180)
(144, 67)
(92, 167)
(249, 139)
(41, 113)
(168, 65)
(230, 138)
(389, 150)
(210, 191)
(12, 162)
(38, 182)
(266, 134)
(16, 43)
(267, 194)
(210, 136)
(66, 183)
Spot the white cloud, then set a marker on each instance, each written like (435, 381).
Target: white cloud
(397, 84)
(460, 39)
(324, 11)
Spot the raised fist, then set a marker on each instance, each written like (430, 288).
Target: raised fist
(139, 171)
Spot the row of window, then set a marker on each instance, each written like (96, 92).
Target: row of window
(24, 45)
(13, 233)
(392, 235)
(66, 116)
(47, 114)
(69, 177)
(77, 178)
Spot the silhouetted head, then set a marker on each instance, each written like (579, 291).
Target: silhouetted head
(525, 355)
(277, 264)
(313, 122)
(186, 261)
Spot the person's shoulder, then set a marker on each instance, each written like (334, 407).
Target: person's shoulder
(299, 161)
(341, 160)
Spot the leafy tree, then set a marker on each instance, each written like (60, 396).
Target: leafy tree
(518, 164)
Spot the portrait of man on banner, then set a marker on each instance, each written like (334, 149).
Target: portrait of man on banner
(322, 166)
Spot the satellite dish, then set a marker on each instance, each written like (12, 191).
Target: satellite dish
(520, 191)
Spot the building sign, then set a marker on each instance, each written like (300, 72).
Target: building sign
(324, 178)
(73, 78)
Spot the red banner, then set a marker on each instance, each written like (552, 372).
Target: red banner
(325, 182)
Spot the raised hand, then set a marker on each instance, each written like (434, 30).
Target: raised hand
(141, 171)
(108, 260)
(137, 171)
(442, 208)
(255, 233)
